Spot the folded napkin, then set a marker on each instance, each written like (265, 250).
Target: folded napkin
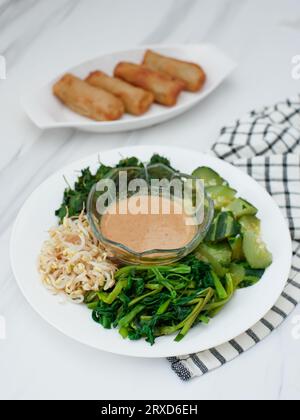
(266, 144)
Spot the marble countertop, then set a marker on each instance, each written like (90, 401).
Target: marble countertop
(39, 39)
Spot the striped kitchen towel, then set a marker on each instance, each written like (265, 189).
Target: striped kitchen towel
(266, 144)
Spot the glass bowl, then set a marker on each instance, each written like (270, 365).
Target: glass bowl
(148, 173)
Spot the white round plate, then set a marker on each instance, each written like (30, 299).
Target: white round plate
(246, 308)
(46, 111)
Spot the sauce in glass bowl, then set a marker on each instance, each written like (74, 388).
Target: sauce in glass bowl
(159, 223)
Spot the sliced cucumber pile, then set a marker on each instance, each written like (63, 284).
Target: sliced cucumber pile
(233, 245)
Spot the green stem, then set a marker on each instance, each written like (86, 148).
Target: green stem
(171, 329)
(180, 269)
(163, 307)
(123, 332)
(216, 307)
(145, 318)
(111, 297)
(160, 278)
(138, 299)
(92, 306)
(204, 319)
(127, 319)
(194, 315)
(151, 286)
(219, 287)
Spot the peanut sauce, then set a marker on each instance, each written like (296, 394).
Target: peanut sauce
(143, 232)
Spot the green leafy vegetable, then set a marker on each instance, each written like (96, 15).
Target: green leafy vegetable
(156, 159)
(75, 199)
(173, 298)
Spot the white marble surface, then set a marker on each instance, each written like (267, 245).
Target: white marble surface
(40, 39)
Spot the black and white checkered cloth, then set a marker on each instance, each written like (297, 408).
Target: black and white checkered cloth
(266, 144)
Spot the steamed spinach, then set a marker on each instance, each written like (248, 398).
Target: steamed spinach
(74, 199)
(149, 302)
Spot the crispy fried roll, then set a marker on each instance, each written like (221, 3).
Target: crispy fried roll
(87, 100)
(191, 74)
(165, 90)
(136, 101)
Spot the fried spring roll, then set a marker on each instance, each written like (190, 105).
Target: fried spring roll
(136, 101)
(87, 100)
(165, 90)
(191, 74)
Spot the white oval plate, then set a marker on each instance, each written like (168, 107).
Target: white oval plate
(46, 111)
(246, 308)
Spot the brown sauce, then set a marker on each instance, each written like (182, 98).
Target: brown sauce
(144, 232)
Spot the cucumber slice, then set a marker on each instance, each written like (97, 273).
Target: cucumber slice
(224, 226)
(250, 224)
(236, 245)
(251, 277)
(220, 252)
(205, 254)
(209, 176)
(244, 276)
(222, 195)
(240, 207)
(237, 272)
(255, 251)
